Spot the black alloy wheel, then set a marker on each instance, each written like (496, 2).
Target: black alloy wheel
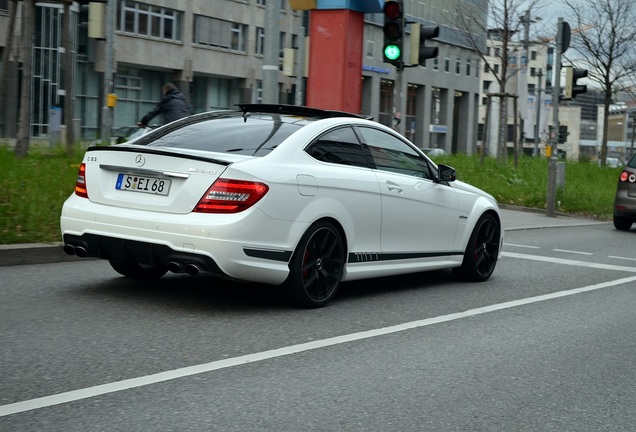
(138, 271)
(316, 267)
(482, 251)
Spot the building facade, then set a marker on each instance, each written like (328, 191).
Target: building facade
(213, 51)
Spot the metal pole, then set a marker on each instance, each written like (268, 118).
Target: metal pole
(537, 122)
(300, 67)
(270, 53)
(556, 90)
(108, 71)
(631, 153)
(397, 100)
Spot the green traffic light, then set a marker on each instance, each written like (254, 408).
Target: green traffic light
(392, 52)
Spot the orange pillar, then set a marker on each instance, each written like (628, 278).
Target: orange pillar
(334, 79)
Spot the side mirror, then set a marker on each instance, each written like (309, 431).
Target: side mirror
(446, 173)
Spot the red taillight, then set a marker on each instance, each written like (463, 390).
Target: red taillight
(627, 176)
(80, 184)
(231, 196)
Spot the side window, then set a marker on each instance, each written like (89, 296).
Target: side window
(339, 146)
(392, 154)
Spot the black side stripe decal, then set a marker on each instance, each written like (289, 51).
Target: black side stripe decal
(354, 257)
(357, 257)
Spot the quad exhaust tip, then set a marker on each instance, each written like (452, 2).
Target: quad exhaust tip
(79, 251)
(177, 267)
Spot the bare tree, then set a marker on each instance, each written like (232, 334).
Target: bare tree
(24, 121)
(503, 21)
(605, 46)
(4, 81)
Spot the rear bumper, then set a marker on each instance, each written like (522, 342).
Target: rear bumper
(249, 246)
(624, 205)
(111, 248)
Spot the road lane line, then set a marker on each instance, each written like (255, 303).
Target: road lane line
(521, 246)
(88, 392)
(621, 258)
(572, 252)
(553, 260)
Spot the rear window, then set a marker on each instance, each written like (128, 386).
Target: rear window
(254, 135)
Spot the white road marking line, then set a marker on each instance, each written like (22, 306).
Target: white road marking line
(622, 258)
(573, 252)
(521, 246)
(569, 262)
(85, 393)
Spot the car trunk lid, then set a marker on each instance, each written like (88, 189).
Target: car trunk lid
(161, 180)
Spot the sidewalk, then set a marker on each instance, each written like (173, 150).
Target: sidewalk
(519, 218)
(513, 219)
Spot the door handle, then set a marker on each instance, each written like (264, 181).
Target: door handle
(393, 187)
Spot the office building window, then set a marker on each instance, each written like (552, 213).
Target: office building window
(281, 45)
(220, 33)
(146, 20)
(260, 41)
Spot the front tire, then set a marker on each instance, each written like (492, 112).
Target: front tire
(138, 271)
(482, 251)
(316, 266)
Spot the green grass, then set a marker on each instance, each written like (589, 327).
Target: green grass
(588, 190)
(33, 189)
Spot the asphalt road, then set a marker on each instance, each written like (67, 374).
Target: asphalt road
(546, 345)
(514, 218)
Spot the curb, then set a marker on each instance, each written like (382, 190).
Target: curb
(33, 253)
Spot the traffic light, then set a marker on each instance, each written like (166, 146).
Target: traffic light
(571, 87)
(92, 18)
(419, 51)
(393, 32)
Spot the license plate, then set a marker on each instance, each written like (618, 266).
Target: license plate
(151, 185)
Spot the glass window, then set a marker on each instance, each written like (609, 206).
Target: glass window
(260, 41)
(157, 22)
(220, 33)
(392, 154)
(340, 146)
(256, 135)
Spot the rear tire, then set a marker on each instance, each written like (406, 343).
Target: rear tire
(622, 223)
(316, 266)
(482, 251)
(138, 271)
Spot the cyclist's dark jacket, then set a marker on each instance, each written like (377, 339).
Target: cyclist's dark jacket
(173, 106)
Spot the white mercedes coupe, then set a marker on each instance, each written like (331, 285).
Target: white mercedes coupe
(285, 195)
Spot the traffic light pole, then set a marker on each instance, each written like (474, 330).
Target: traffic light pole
(554, 137)
(397, 99)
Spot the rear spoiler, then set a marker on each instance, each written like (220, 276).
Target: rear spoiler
(296, 110)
